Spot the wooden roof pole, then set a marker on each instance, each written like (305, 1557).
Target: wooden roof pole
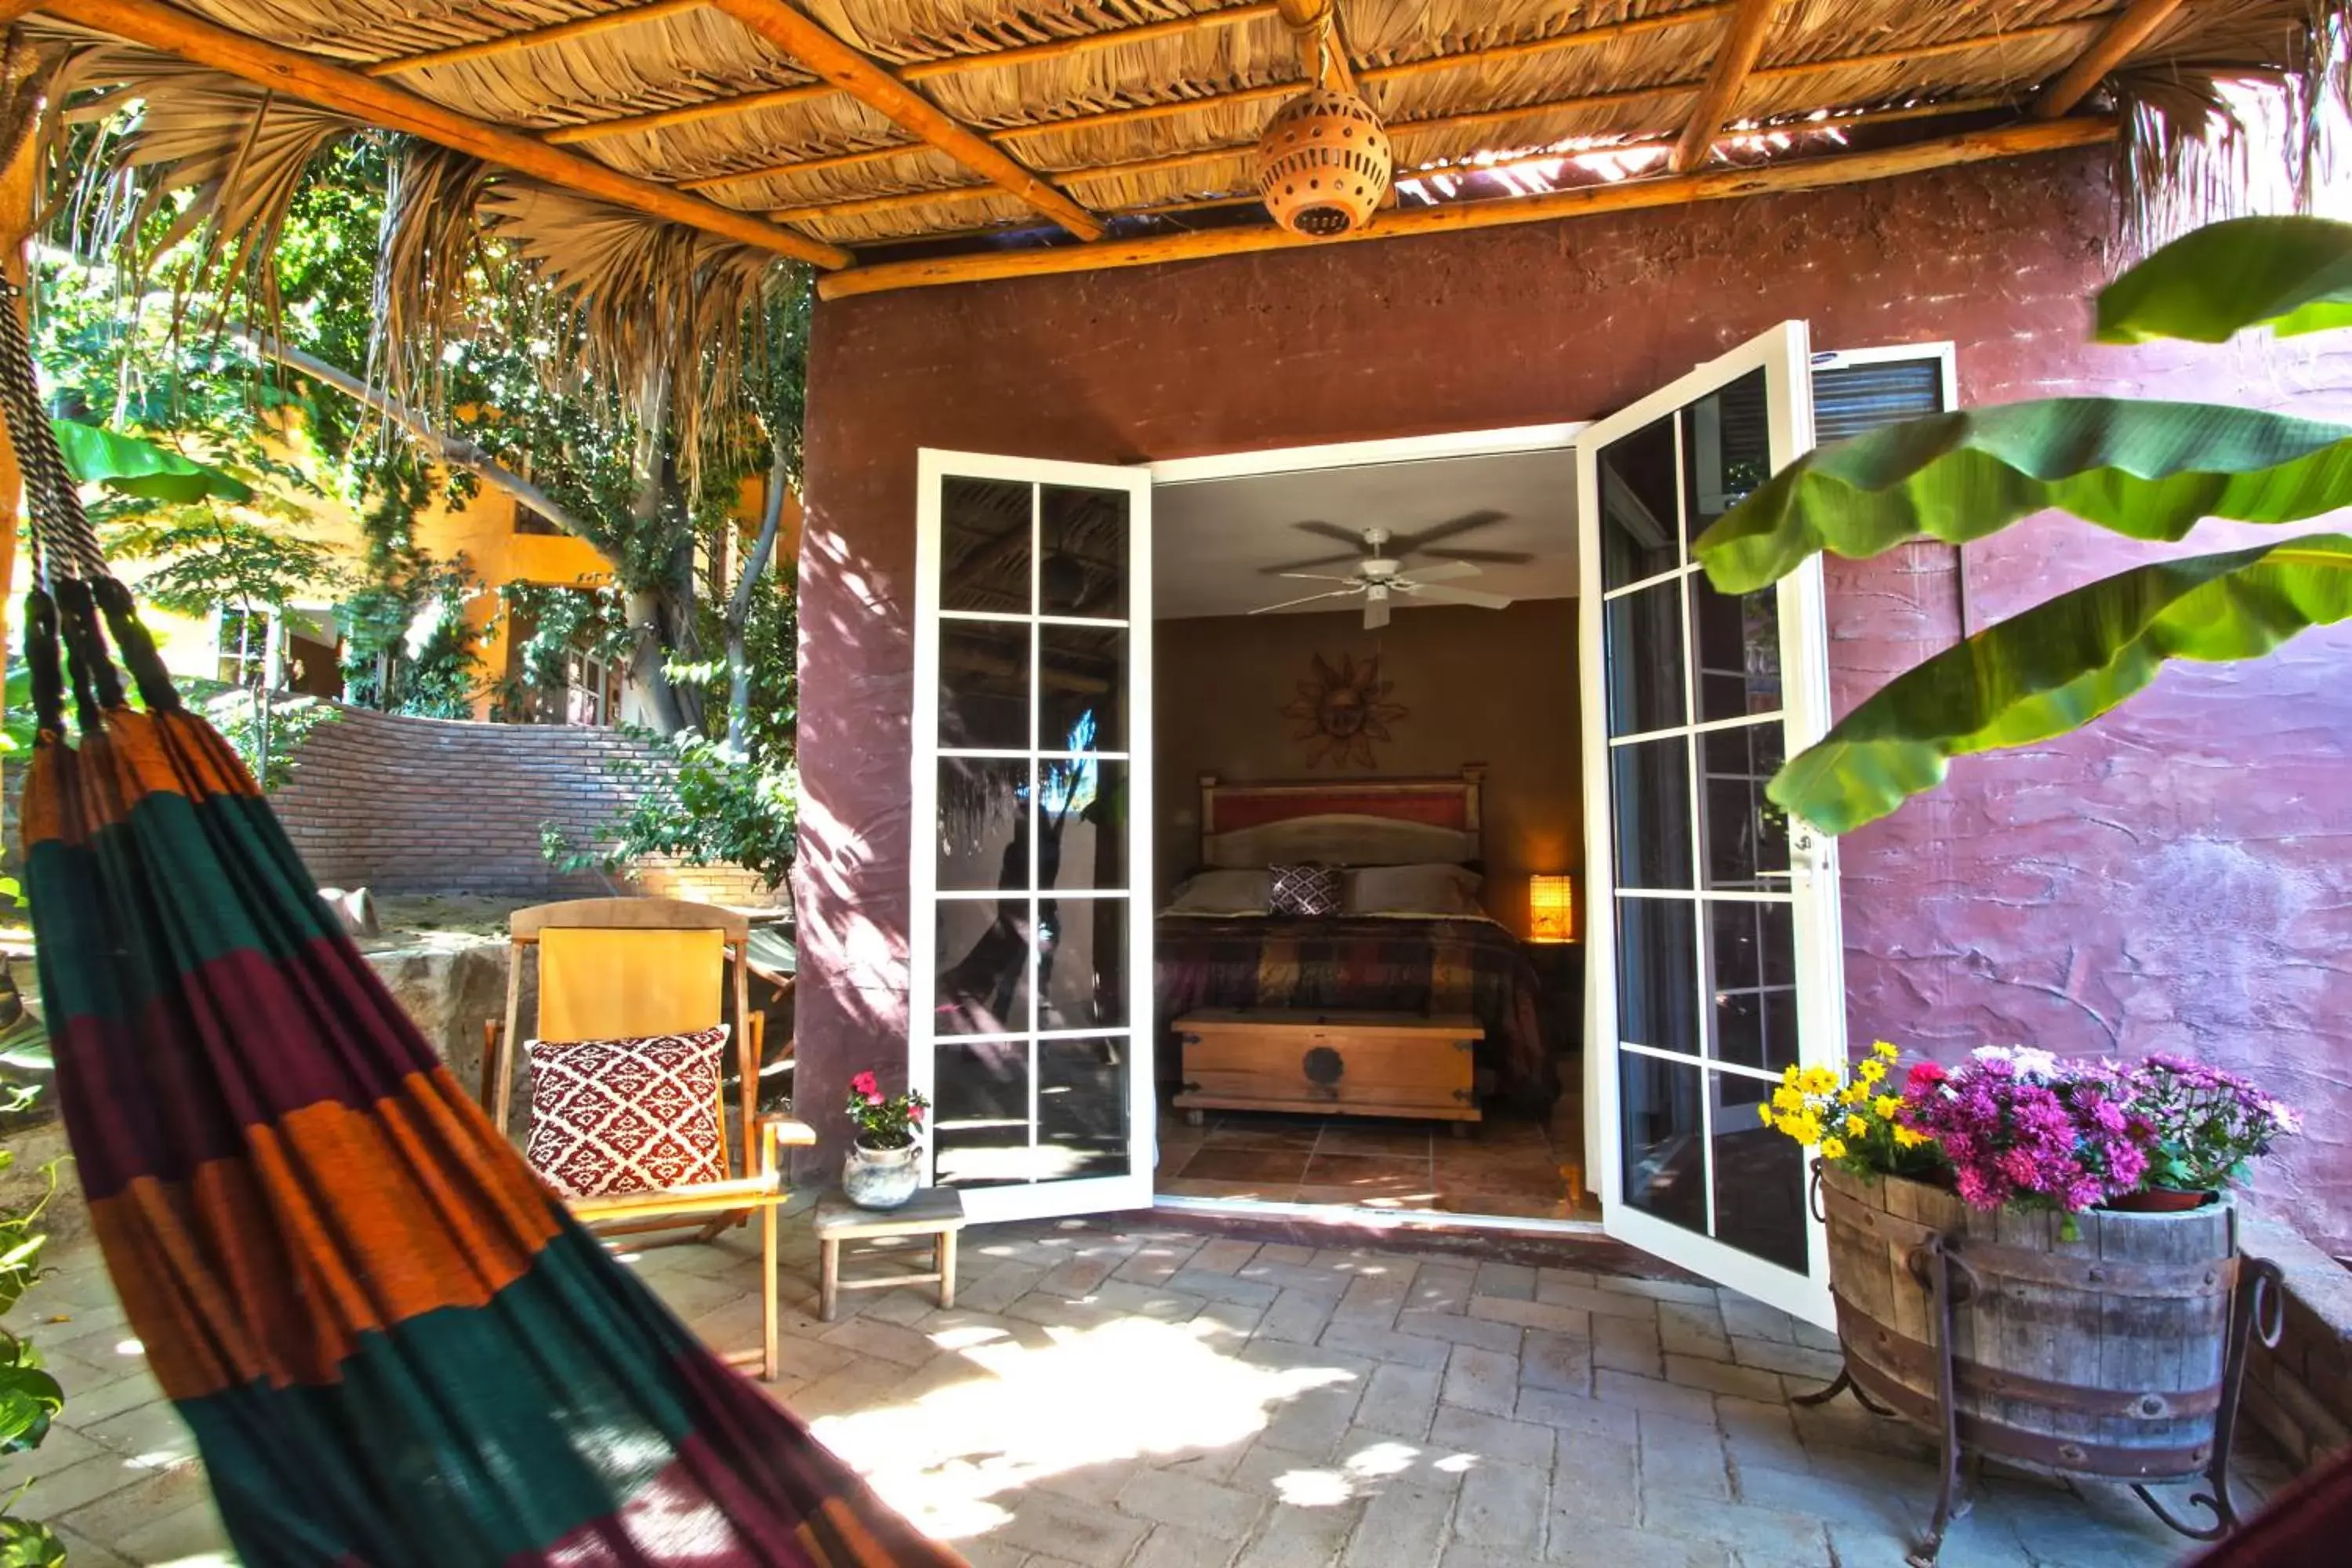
(2106, 51)
(537, 37)
(817, 49)
(1671, 190)
(1322, 53)
(1743, 40)
(313, 80)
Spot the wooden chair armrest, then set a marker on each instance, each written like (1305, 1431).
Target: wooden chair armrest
(777, 1127)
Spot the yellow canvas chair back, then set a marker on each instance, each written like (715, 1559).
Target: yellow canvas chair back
(597, 983)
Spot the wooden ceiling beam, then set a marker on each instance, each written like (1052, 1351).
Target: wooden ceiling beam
(1735, 57)
(2123, 34)
(1668, 190)
(313, 80)
(536, 38)
(815, 49)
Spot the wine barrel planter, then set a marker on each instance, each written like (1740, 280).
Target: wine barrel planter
(2108, 1355)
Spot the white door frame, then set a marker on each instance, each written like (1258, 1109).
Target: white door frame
(1046, 1198)
(1782, 354)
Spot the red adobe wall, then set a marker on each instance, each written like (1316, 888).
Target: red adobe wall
(2181, 877)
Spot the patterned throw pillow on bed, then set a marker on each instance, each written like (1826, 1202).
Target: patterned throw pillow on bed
(627, 1116)
(1307, 889)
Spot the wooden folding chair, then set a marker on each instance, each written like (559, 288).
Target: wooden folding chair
(625, 968)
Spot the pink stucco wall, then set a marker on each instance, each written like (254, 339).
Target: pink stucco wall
(2180, 876)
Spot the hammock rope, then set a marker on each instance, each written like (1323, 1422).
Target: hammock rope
(393, 1344)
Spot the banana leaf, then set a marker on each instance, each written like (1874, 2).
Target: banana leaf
(2145, 469)
(2293, 274)
(137, 468)
(2057, 666)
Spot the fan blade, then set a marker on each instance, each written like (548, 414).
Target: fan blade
(1288, 568)
(1315, 577)
(1442, 573)
(1406, 544)
(1455, 597)
(1375, 614)
(1487, 557)
(1333, 532)
(1292, 603)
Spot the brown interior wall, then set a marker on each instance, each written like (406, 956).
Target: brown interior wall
(1497, 686)
(2180, 876)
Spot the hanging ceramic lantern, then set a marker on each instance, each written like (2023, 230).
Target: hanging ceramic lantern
(1323, 164)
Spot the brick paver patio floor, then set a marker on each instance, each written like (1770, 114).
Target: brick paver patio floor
(1126, 1395)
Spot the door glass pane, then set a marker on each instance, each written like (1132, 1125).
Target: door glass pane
(1082, 1107)
(1638, 533)
(1082, 689)
(1735, 646)
(1085, 567)
(1753, 948)
(984, 686)
(1760, 1177)
(1083, 832)
(1746, 836)
(983, 824)
(1082, 963)
(1665, 1154)
(1650, 796)
(1657, 974)
(1644, 641)
(979, 1113)
(1726, 450)
(984, 528)
(982, 986)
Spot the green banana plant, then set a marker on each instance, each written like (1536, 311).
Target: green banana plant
(96, 455)
(2146, 470)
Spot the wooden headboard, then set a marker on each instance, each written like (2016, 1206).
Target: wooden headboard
(1350, 822)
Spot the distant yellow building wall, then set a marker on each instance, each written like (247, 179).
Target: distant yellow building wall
(484, 533)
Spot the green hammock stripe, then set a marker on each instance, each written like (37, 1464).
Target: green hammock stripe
(171, 888)
(438, 1445)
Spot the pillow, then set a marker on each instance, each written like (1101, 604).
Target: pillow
(1309, 890)
(627, 1116)
(1431, 889)
(1224, 893)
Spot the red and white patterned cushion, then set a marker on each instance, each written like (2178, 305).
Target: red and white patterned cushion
(627, 1116)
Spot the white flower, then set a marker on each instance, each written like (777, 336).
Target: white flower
(2028, 1062)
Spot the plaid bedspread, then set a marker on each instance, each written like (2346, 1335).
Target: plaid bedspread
(1368, 964)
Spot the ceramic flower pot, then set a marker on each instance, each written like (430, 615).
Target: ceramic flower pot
(882, 1178)
(2162, 1200)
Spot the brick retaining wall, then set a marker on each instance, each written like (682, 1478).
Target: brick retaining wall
(433, 805)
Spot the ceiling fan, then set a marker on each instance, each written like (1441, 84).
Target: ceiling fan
(1382, 578)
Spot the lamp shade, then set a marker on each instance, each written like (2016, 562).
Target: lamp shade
(1551, 909)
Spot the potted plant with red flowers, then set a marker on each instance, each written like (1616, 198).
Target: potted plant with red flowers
(884, 1166)
(2204, 1125)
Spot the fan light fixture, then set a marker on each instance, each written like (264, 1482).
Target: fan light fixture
(1324, 164)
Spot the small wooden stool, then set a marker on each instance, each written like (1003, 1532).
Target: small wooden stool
(937, 1211)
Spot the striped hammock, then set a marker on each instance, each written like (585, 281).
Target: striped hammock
(392, 1344)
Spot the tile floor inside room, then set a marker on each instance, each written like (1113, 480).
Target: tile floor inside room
(1505, 1164)
(1134, 1395)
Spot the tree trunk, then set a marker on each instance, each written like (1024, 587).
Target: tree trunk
(650, 608)
(739, 610)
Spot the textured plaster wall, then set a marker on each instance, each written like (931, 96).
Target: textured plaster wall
(2179, 877)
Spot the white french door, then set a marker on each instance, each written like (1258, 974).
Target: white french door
(1030, 1010)
(1714, 949)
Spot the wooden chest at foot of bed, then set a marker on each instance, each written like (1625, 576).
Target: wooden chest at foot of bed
(1350, 1064)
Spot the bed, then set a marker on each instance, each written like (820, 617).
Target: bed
(1433, 962)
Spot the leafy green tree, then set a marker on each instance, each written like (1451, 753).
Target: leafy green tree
(2146, 470)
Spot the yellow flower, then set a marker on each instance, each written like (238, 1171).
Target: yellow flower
(1852, 1093)
(1872, 1069)
(1832, 1148)
(1787, 1098)
(1765, 1111)
(1806, 1130)
(1886, 1105)
(1883, 1051)
(1908, 1139)
(1818, 1080)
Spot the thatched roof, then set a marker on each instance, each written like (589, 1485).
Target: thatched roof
(1135, 118)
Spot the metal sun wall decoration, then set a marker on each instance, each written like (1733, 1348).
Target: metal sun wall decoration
(1341, 710)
